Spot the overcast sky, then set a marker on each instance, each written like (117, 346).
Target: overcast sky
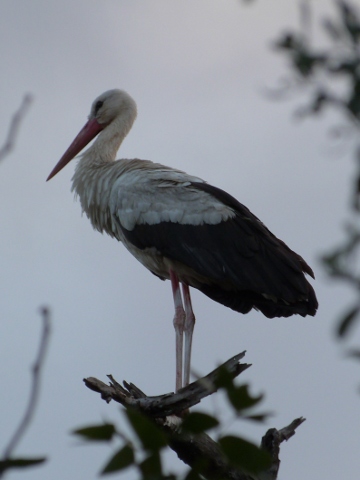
(198, 70)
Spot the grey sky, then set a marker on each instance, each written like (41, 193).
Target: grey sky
(197, 70)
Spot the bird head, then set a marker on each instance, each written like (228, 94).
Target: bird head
(105, 109)
(110, 105)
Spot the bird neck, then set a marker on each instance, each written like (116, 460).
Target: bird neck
(95, 164)
(108, 142)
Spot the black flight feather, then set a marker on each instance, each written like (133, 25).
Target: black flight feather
(244, 265)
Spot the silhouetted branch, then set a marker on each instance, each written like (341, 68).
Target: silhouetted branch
(202, 449)
(34, 393)
(14, 126)
(195, 449)
(169, 403)
(271, 443)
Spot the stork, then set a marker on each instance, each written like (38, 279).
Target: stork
(182, 229)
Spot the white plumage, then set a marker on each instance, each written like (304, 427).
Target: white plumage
(125, 189)
(182, 229)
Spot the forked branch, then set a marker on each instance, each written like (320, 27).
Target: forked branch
(193, 449)
(169, 403)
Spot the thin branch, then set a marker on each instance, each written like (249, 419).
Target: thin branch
(14, 126)
(35, 387)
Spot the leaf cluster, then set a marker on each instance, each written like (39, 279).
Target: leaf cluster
(319, 70)
(318, 67)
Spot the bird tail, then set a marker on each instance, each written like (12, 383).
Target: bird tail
(244, 301)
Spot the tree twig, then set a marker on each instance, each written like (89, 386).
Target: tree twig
(14, 126)
(34, 393)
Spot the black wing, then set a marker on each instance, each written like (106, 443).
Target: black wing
(244, 264)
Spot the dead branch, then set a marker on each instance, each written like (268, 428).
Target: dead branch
(271, 443)
(192, 449)
(34, 392)
(169, 403)
(14, 126)
(195, 450)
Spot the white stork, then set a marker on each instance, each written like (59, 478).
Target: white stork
(182, 229)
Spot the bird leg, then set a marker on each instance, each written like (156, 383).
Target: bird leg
(179, 325)
(189, 328)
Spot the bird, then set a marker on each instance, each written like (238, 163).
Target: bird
(182, 229)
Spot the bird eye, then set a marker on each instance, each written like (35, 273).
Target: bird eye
(98, 105)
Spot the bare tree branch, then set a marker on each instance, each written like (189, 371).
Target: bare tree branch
(194, 449)
(14, 126)
(34, 393)
(169, 403)
(271, 443)
(202, 449)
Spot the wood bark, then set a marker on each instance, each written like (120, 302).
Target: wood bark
(167, 411)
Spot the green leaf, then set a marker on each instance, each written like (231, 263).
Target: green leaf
(354, 353)
(332, 29)
(260, 417)
(350, 20)
(193, 475)
(151, 466)
(20, 463)
(151, 437)
(224, 379)
(97, 433)
(241, 399)
(321, 98)
(245, 455)
(347, 321)
(238, 396)
(197, 422)
(287, 42)
(122, 459)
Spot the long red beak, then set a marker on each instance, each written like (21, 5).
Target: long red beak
(86, 134)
